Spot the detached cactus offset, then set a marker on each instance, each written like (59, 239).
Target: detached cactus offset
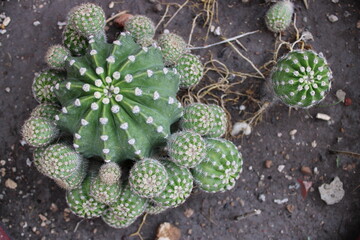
(108, 110)
(301, 78)
(278, 17)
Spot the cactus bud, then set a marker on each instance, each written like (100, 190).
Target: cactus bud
(142, 29)
(39, 131)
(172, 46)
(278, 17)
(190, 69)
(56, 57)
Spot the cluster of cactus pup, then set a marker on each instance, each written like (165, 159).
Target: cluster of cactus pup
(105, 104)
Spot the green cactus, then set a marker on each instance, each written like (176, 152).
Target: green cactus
(46, 110)
(220, 169)
(75, 179)
(39, 131)
(56, 56)
(190, 69)
(125, 210)
(82, 204)
(118, 93)
(186, 148)
(301, 78)
(219, 123)
(179, 186)
(148, 178)
(198, 117)
(142, 29)
(37, 155)
(278, 17)
(87, 19)
(172, 47)
(105, 187)
(73, 41)
(43, 85)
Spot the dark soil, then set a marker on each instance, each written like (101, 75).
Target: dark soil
(21, 55)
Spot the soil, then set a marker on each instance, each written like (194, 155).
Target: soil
(35, 208)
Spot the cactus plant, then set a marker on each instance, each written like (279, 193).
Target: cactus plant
(186, 148)
(43, 85)
(46, 110)
(301, 78)
(172, 47)
(39, 131)
(56, 56)
(148, 178)
(220, 169)
(142, 29)
(278, 17)
(73, 41)
(198, 117)
(190, 69)
(118, 93)
(219, 122)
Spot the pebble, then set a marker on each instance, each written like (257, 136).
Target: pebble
(316, 171)
(242, 108)
(9, 183)
(306, 170)
(167, 231)
(2, 162)
(347, 14)
(111, 5)
(217, 31)
(279, 134)
(358, 24)
(333, 18)
(332, 193)
(340, 94)
(281, 201)
(262, 198)
(28, 162)
(54, 207)
(314, 144)
(6, 21)
(36, 23)
(281, 168)
(323, 116)
(240, 127)
(293, 132)
(2, 172)
(7, 89)
(268, 163)
(188, 212)
(307, 36)
(158, 7)
(335, 1)
(290, 208)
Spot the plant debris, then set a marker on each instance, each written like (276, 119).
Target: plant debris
(167, 231)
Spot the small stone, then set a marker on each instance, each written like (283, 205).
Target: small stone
(306, 170)
(188, 212)
(314, 144)
(28, 162)
(42, 218)
(281, 201)
(293, 132)
(347, 14)
(332, 193)
(167, 231)
(333, 18)
(54, 207)
(2, 162)
(9, 183)
(290, 208)
(307, 36)
(281, 168)
(158, 7)
(7, 89)
(279, 134)
(6, 21)
(358, 24)
(316, 170)
(323, 116)
(217, 31)
(268, 164)
(36, 23)
(241, 127)
(190, 231)
(262, 197)
(111, 5)
(340, 94)
(335, 1)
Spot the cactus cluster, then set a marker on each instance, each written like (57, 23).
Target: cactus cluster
(103, 104)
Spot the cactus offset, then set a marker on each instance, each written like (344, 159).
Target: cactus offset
(39, 131)
(172, 47)
(219, 171)
(43, 85)
(278, 17)
(142, 29)
(190, 69)
(46, 110)
(198, 117)
(73, 41)
(301, 78)
(219, 123)
(56, 56)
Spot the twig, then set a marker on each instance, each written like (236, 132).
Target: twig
(177, 11)
(192, 28)
(248, 214)
(163, 17)
(115, 16)
(137, 233)
(350, 154)
(78, 224)
(224, 41)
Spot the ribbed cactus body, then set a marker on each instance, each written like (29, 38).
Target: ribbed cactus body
(46, 110)
(82, 204)
(56, 56)
(118, 100)
(142, 29)
(110, 173)
(104, 193)
(186, 148)
(75, 179)
(190, 69)
(73, 41)
(39, 131)
(301, 78)
(173, 47)
(279, 16)
(178, 188)
(198, 117)
(148, 178)
(44, 83)
(125, 210)
(219, 123)
(220, 169)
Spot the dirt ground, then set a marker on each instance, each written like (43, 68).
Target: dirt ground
(36, 209)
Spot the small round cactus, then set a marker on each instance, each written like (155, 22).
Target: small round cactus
(172, 47)
(125, 210)
(43, 85)
(220, 170)
(142, 29)
(219, 122)
(186, 148)
(73, 41)
(278, 17)
(37, 155)
(87, 19)
(301, 78)
(39, 131)
(56, 56)
(148, 178)
(179, 186)
(198, 117)
(46, 110)
(82, 204)
(75, 179)
(110, 173)
(190, 69)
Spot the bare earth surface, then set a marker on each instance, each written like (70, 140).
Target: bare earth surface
(35, 208)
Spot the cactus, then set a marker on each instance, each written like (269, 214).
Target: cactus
(39, 131)
(56, 56)
(220, 169)
(46, 110)
(198, 117)
(190, 69)
(73, 41)
(219, 122)
(179, 186)
(118, 93)
(43, 85)
(186, 149)
(142, 29)
(125, 210)
(87, 19)
(172, 47)
(148, 178)
(82, 204)
(155, 208)
(278, 17)
(75, 179)
(105, 187)
(301, 78)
